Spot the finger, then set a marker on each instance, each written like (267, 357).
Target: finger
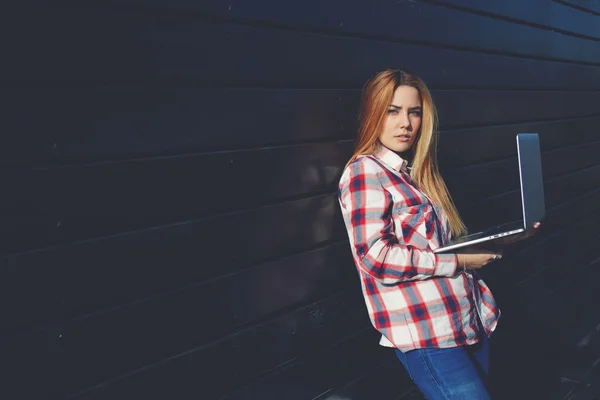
(493, 257)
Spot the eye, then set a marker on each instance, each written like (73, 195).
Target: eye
(392, 111)
(416, 112)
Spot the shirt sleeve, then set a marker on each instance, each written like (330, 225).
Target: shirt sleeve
(380, 250)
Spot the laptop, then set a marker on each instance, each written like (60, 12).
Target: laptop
(532, 197)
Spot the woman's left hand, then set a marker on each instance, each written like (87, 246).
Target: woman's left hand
(518, 237)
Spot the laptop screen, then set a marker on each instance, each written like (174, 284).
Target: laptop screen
(532, 182)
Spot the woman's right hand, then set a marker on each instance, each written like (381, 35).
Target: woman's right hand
(475, 258)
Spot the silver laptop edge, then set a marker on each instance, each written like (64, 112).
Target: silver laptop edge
(475, 241)
(530, 194)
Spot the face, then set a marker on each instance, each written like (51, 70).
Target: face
(403, 120)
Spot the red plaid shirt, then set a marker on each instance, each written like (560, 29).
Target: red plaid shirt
(414, 297)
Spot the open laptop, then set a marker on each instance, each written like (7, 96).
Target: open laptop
(532, 196)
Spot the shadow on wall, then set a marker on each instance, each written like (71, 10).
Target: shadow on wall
(296, 297)
(525, 365)
(541, 351)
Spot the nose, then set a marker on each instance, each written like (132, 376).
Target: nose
(404, 121)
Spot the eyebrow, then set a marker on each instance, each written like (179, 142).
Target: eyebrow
(412, 108)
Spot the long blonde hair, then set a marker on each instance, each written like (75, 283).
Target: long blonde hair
(376, 98)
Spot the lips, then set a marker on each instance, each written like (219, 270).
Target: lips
(403, 138)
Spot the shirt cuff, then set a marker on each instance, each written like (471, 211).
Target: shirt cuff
(446, 264)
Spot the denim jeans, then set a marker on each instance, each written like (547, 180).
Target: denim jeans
(451, 373)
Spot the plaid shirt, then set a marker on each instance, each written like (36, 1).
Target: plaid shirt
(415, 297)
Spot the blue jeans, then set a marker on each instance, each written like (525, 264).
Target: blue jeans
(451, 373)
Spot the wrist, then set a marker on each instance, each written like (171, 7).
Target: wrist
(461, 263)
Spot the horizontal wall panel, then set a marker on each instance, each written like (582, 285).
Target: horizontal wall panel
(580, 250)
(185, 181)
(249, 354)
(461, 108)
(560, 195)
(492, 211)
(545, 254)
(249, 236)
(517, 280)
(570, 159)
(592, 7)
(481, 181)
(154, 191)
(31, 124)
(577, 256)
(96, 274)
(453, 68)
(537, 373)
(48, 206)
(381, 20)
(168, 50)
(88, 125)
(388, 381)
(19, 232)
(560, 226)
(291, 280)
(163, 121)
(572, 185)
(539, 261)
(68, 204)
(575, 302)
(583, 316)
(185, 187)
(168, 183)
(315, 377)
(468, 184)
(495, 143)
(530, 267)
(507, 207)
(549, 14)
(559, 216)
(588, 386)
(476, 32)
(99, 124)
(32, 290)
(31, 366)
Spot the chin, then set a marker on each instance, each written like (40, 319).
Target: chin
(403, 148)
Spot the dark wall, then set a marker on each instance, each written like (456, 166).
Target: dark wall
(169, 226)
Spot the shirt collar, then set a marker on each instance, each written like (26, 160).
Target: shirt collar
(392, 159)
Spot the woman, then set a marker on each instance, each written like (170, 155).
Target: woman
(432, 308)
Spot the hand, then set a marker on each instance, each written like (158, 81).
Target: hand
(518, 237)
(475, 258)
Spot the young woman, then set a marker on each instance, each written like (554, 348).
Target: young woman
(432, 308)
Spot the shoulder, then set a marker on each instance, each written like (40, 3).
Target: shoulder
(362, 174)
(360, 168)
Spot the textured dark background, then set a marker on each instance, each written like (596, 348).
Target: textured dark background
(169, 227)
